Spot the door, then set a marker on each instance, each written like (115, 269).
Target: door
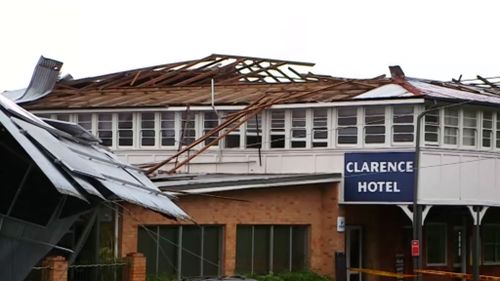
(354, 246)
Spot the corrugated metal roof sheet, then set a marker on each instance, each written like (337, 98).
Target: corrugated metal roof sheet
(94, 170)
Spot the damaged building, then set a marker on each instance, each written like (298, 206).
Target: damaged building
(287, 170)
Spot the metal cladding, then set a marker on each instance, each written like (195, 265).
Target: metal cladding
(79, 167)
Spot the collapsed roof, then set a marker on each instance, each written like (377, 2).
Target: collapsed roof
(78, 166)
(236, 80)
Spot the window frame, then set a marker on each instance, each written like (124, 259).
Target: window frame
(181, 249)
(393, 117)
(367, 125)
(357, 125)
(270, 254)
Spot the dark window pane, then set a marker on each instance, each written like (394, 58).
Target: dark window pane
(211, 251)
(146, 244)
(244, 249)
(277, 141)
(232, 141)
(167, 252)
(261, 249)
(299, 248)
(191, 251)
(281, 249)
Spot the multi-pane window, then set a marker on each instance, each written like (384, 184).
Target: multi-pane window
(497, 128)
(403, 126)
(374, 124)
(487, 129)
(85, 120)
(320, 128)
(431, 127)
(436, 243)
(167, 127)
(277, 134)
(210, 121)
(147, 130)
(232, 140)
(254, 132)
(105, 128)
(188, 128)
(451, 118)
(175, 252)
(491, 243)
(298, 128)
(347, 120)
(469, 128)
(261, 249)
(125, 129)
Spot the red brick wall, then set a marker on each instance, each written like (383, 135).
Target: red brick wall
(314, 205)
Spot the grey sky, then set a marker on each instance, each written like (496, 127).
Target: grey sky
(431, 39)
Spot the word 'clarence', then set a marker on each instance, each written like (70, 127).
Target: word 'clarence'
(380, 167)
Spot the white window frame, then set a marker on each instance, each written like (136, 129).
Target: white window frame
(463, 127)
(133, 130)
(393, 124)
(366, 125)
(326, 128)
(491, 130)
(280, 133)
(304, 128)
(140, 129)
(358, 126)
(457, 127)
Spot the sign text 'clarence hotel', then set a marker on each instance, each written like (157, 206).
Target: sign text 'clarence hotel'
(379, 177)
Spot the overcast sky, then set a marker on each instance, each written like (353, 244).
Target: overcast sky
(429, 39)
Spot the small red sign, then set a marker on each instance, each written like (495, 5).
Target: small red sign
(415, 248)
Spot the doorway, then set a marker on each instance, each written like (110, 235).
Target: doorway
(354, 253)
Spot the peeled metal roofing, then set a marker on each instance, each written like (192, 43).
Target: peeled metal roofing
(79, 168)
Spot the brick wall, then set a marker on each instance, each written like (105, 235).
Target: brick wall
(314, 205)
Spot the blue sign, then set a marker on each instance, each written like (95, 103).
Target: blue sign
(379, 177)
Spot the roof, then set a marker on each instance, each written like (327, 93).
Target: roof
(78, 166)
(239, 80)
(207, 183)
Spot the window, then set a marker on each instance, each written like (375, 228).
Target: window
(261, 249)
(498, 131)
(320, 128)
(105, 128)
(148, 132)
(188, 129)
(347, 120)
(403, 126)
(487, 134)
(63, 117)
(198, 248)
(210, 121)
(436, 244)
(232, 140)
(491, 243)
(451, 118)
(167, 127)
(254, 132)
(125, 129)
(85, 120)
(277, 129)
(374, 124)
(298, 132)
(469, 129)
(431, 135)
